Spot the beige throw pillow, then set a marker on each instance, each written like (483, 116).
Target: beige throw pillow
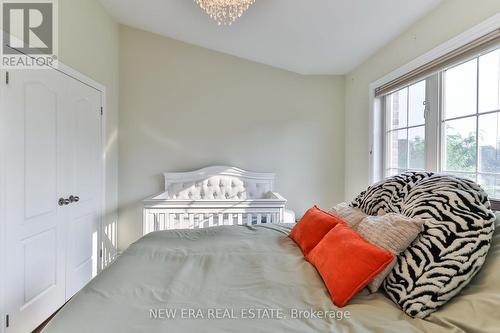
(352, 216)
(392, 232)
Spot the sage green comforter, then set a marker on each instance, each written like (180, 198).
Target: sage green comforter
(213, 280)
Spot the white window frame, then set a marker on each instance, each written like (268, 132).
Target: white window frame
(475, 115)
(377, 110)
(432, 119)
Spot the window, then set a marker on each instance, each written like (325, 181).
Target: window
(448, 122)
(405, 129)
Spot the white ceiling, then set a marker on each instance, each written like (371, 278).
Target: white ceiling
(303, 36)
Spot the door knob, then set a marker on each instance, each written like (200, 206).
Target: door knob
(63, 202)
(73, 198)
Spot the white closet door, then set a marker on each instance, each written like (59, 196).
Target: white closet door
(85, 161)
(53, 150)
(35, 179)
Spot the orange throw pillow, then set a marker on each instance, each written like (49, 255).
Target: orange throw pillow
(347, 262)
(312, 227)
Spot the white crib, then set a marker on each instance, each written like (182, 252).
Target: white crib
(213, 196)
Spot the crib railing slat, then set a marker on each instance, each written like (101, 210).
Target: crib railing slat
(163, 222)
(201, 221)
(186, 218)
(172, 221)
(155, 222)
(181, 221)
(191, 221)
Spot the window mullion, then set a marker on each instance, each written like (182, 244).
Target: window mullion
(385, 152)
(442, 149)
(440, 123)
(432, 123)
(406, 128)
(477, 119)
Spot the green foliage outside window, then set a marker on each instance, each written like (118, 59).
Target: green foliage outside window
(460, 156)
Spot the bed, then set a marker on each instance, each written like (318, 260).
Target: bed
(239, 268)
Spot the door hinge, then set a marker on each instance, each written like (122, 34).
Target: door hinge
(102, 110)
(7, 321)
(7, 78)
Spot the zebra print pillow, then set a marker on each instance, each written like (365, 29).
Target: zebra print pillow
(452, 246)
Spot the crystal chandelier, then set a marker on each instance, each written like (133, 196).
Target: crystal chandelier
(225, 12)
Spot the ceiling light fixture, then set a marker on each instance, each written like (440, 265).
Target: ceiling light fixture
(225, 12)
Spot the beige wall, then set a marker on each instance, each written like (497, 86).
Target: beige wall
(177, 99)
(183, 107)
(448, 20)
(88, 42)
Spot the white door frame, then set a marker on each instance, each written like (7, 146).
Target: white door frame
(67, 70)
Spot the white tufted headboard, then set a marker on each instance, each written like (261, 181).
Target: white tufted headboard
(218, 183)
